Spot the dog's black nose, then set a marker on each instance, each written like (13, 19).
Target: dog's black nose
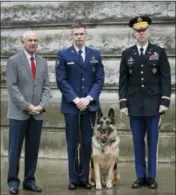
(103, 130)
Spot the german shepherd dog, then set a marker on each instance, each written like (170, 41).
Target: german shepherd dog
(105, 151)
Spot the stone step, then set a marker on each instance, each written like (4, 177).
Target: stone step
(29, 13)
(111, 41)
(54, 119)
(53, 145)
(111, 71)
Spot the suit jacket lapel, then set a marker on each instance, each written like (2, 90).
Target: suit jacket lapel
(24, 61)
(38, 67)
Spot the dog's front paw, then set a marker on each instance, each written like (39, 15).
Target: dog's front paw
(92, 183)
(109, 184)
(98, 186)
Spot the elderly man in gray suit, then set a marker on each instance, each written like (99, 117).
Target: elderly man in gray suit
(28, 89)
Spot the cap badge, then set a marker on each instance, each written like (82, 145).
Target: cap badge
(139, 19)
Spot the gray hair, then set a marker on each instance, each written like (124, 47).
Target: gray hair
(26, 34)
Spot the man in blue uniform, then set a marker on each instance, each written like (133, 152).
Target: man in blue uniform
(144, 94)
(80, 78)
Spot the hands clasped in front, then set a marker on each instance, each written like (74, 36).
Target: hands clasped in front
(34, 109)
(83, 103)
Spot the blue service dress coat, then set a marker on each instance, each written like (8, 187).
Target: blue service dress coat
(77, 80)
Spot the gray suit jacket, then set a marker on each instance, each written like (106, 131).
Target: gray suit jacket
(22, 89)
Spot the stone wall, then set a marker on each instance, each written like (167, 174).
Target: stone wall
(107, 31)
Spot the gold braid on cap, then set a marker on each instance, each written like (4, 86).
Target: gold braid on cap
(140, 25)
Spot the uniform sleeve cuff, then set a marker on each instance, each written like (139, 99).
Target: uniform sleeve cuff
(123, 103)
(165, 101)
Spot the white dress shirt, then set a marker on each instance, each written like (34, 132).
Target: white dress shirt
(144, 47)
(83, 49)
(28, 56)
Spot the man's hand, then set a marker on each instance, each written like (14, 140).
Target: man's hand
(162, 109)
(83, 103)
(34, 109)
(124, 111)
(38, 108)
(31, 110)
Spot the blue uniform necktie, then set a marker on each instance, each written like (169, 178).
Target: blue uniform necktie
(80, 57)
(142, 51)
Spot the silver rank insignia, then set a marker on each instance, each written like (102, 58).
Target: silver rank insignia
(130, 61)
(154, 70)
(130, 71)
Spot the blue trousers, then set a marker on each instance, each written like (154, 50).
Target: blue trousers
(30, 130)
(73, 121)
(141, 126)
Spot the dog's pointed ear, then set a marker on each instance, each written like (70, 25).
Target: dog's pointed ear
(111, 115)
(99, 115)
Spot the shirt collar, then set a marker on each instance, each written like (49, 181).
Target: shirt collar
(144, 47)
(77, 49)
(28, 55)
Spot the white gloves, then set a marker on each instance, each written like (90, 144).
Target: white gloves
(124, 111)
(162, 109)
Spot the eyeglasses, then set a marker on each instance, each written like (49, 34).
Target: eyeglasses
(141, 29)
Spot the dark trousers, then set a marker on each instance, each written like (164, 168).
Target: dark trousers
(30, 130)
(74, 122)
(140, 126)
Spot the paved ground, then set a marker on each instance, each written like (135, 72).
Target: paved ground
(52, 177)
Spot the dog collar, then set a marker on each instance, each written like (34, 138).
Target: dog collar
(105, 144)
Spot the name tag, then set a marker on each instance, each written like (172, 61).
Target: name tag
(70, 63)
(93, 60)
